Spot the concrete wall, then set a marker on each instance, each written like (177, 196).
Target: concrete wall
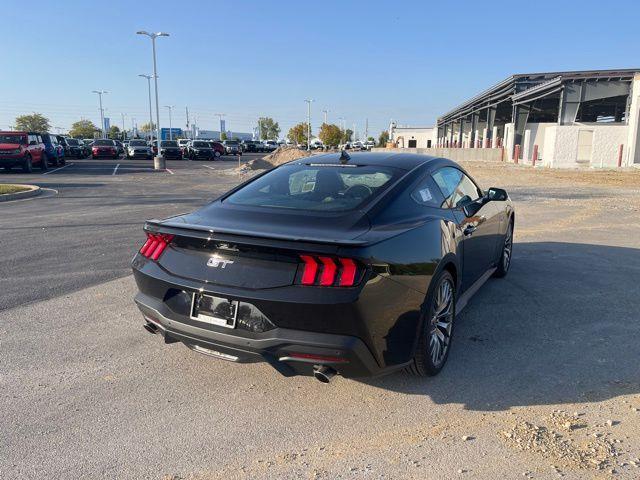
(455, 154)
(536, 137)
(561, 145)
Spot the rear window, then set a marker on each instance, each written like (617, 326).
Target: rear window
(12, 138)
(201, 145)
(72, 141)
(317, 188)
(168, 143)
(138, 143)
(104, 143)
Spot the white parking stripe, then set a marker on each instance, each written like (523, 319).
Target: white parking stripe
(169, 171)
(115, 170)
(55, 170)
(207, 166)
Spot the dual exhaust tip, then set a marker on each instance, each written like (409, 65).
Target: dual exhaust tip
(322, 373)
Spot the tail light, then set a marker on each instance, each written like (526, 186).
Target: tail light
(156, 244)
(328, 271)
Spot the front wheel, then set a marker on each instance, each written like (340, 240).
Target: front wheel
(439, 313)
(217, 154)
(504, 262)
(27, 166)
(44, 162)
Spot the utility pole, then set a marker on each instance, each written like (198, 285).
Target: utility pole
(354, 132)
(186, 111)
(325, 115)
(133, 127)
(159, 162)
(100, 93)
(366, 129)
(170, 107)
(309, 123)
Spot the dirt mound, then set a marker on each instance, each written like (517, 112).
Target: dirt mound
(278, 157)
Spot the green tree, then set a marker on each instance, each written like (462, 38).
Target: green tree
(346, 135)
(383, 138)
(330, 134)
(371, 139)
(268, 129)
(36, 122)
(148, 127)
(223, 136)
(83, 129)
(114, 132)
(298, 133)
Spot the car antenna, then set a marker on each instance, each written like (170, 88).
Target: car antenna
(344, 157)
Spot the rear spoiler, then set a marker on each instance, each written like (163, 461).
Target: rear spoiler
(226, 234)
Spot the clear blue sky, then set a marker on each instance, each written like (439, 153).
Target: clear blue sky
(406, 60)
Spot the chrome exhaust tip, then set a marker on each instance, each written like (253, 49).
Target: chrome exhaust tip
(323, 373)
(151, 328)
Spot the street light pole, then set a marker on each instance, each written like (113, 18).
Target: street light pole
(159, 162)
(99, 93)
(220, 115)
(325, 115)
(309, 123)
(123, 130)
(148, 77)
(170, 129)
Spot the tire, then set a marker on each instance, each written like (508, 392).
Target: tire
(504, 262)
(44, 162)
(63, 161)
(56, 161)
(434, 342)
(216, 155)
(27, 166)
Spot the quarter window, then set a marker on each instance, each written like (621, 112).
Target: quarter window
(458, 189)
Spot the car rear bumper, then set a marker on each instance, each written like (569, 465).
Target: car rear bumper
(291, 352)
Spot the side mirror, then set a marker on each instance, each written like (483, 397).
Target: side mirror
(497, 194)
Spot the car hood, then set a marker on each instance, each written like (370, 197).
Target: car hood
(9, 146)
(260, 222)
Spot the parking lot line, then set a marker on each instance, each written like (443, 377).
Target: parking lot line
(207, 166)
(115, 169)
(169, 171)
(55, 170)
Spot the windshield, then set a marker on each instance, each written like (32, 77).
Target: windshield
(103, 143)
(230, 142)
(72, 141)
(137, 143)
(328, 188)
(168, 143)
(13, 138)
(201, 144)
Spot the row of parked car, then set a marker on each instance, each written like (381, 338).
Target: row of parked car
(35, 149)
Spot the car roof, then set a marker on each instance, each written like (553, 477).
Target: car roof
(405, 161)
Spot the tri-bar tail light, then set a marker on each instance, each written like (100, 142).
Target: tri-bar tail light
(329, 271)
(155, 245)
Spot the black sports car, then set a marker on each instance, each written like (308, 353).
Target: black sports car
(330, 264)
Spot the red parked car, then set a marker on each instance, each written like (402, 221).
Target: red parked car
(104, 148)
(22, 149)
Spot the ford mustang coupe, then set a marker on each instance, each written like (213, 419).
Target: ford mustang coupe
(331, 264)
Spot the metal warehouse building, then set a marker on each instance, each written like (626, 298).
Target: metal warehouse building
(560, 119)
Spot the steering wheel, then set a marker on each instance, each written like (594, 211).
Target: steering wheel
(358, 191)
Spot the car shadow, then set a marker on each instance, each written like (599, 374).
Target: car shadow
(562, 327)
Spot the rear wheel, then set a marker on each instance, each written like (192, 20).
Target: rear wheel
(216, 155)
(27, 166)
(436, 332)
(504, 262)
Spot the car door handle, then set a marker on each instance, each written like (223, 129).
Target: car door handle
(469, 229)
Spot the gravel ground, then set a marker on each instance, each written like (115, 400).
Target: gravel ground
(542, 381)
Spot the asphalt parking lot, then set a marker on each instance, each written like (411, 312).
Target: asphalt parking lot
(543, 380)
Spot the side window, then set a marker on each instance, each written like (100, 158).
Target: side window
(458, 189)
(427, 193)
(32, 138)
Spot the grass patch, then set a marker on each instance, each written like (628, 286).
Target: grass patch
(4, 188)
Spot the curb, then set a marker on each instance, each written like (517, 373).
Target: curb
(32, 192)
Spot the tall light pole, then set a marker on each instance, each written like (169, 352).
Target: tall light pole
(325, 115)
(159, 162)
(149, 77)
(309, 123)
(170, 130)
(100, 93)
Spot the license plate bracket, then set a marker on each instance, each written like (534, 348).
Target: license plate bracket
(214, 310)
